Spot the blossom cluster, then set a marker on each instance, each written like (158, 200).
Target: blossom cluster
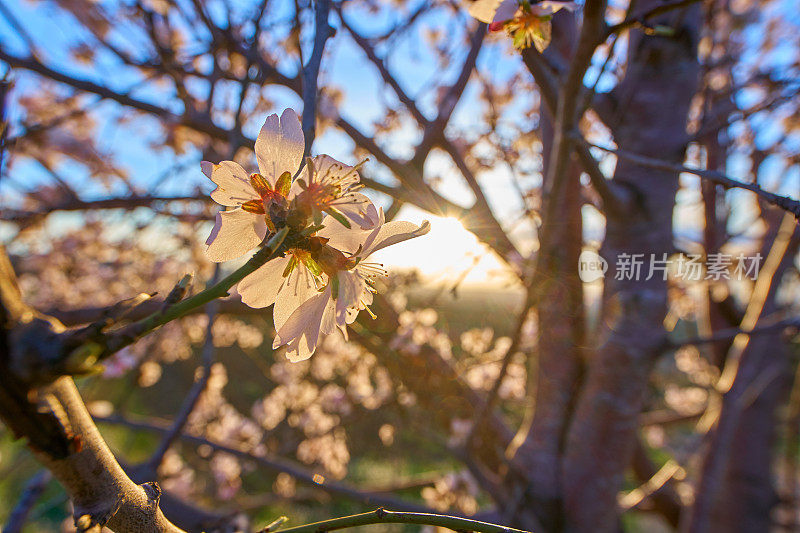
(323, 277)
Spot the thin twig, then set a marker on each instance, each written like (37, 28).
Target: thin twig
(382, 516)
(273, 463)
(380, 64)
(784, 202)
(494, 393)
(124, 202)
(5, 87)
(322, 31)
(114, 342)
(641, 20)
(731, 333)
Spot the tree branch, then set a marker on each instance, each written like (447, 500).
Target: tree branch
(190, 120)
(784, 202)
(112, 343)
(272, 463)
(61, 433)
(198, 387)
(435, 129)
(124, 202)
(322, 31)
(382, 516)
(640, 20)
(383, 70)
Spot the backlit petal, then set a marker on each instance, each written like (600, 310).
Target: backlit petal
(260, 288)
(351, 287)
(302, 330)
(392, 233)
(298, 288)
(347, 240)
(329, 170)
(233, 183)
(235, 233)
(279, 146)
(358, 209)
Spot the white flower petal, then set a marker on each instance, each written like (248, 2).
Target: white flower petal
(235, 233)
(547, 7)
(298, 288)
(352, 314)
(342, 238)
(301, 332)
(351, 287)
(260, 288)
(299, 350)
(491, 10)
(279, 146)
(358, 209)
(329, 170)
(392, 233)
(233, 183)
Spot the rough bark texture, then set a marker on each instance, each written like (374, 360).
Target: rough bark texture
(94, 479)
(660, 81)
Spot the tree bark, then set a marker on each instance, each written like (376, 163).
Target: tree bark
(556, 366)
(655, 95)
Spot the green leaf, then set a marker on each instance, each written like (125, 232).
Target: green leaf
(311, 230)
(335, 287)
(340, 218)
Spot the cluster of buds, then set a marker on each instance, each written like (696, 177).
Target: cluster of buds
(322, 279)
(528, 23)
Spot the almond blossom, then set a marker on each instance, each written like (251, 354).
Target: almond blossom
(264, 200)
(322, 263)
(342, 256)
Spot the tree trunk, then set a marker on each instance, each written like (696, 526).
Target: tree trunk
(653, 103)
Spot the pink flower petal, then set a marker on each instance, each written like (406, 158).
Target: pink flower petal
(279, 146)
(392, 233)
(260, 289)
(298, 288)
(233, 183)
(234, 234)
(302, 330)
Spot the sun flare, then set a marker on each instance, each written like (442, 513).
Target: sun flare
(447, 252)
